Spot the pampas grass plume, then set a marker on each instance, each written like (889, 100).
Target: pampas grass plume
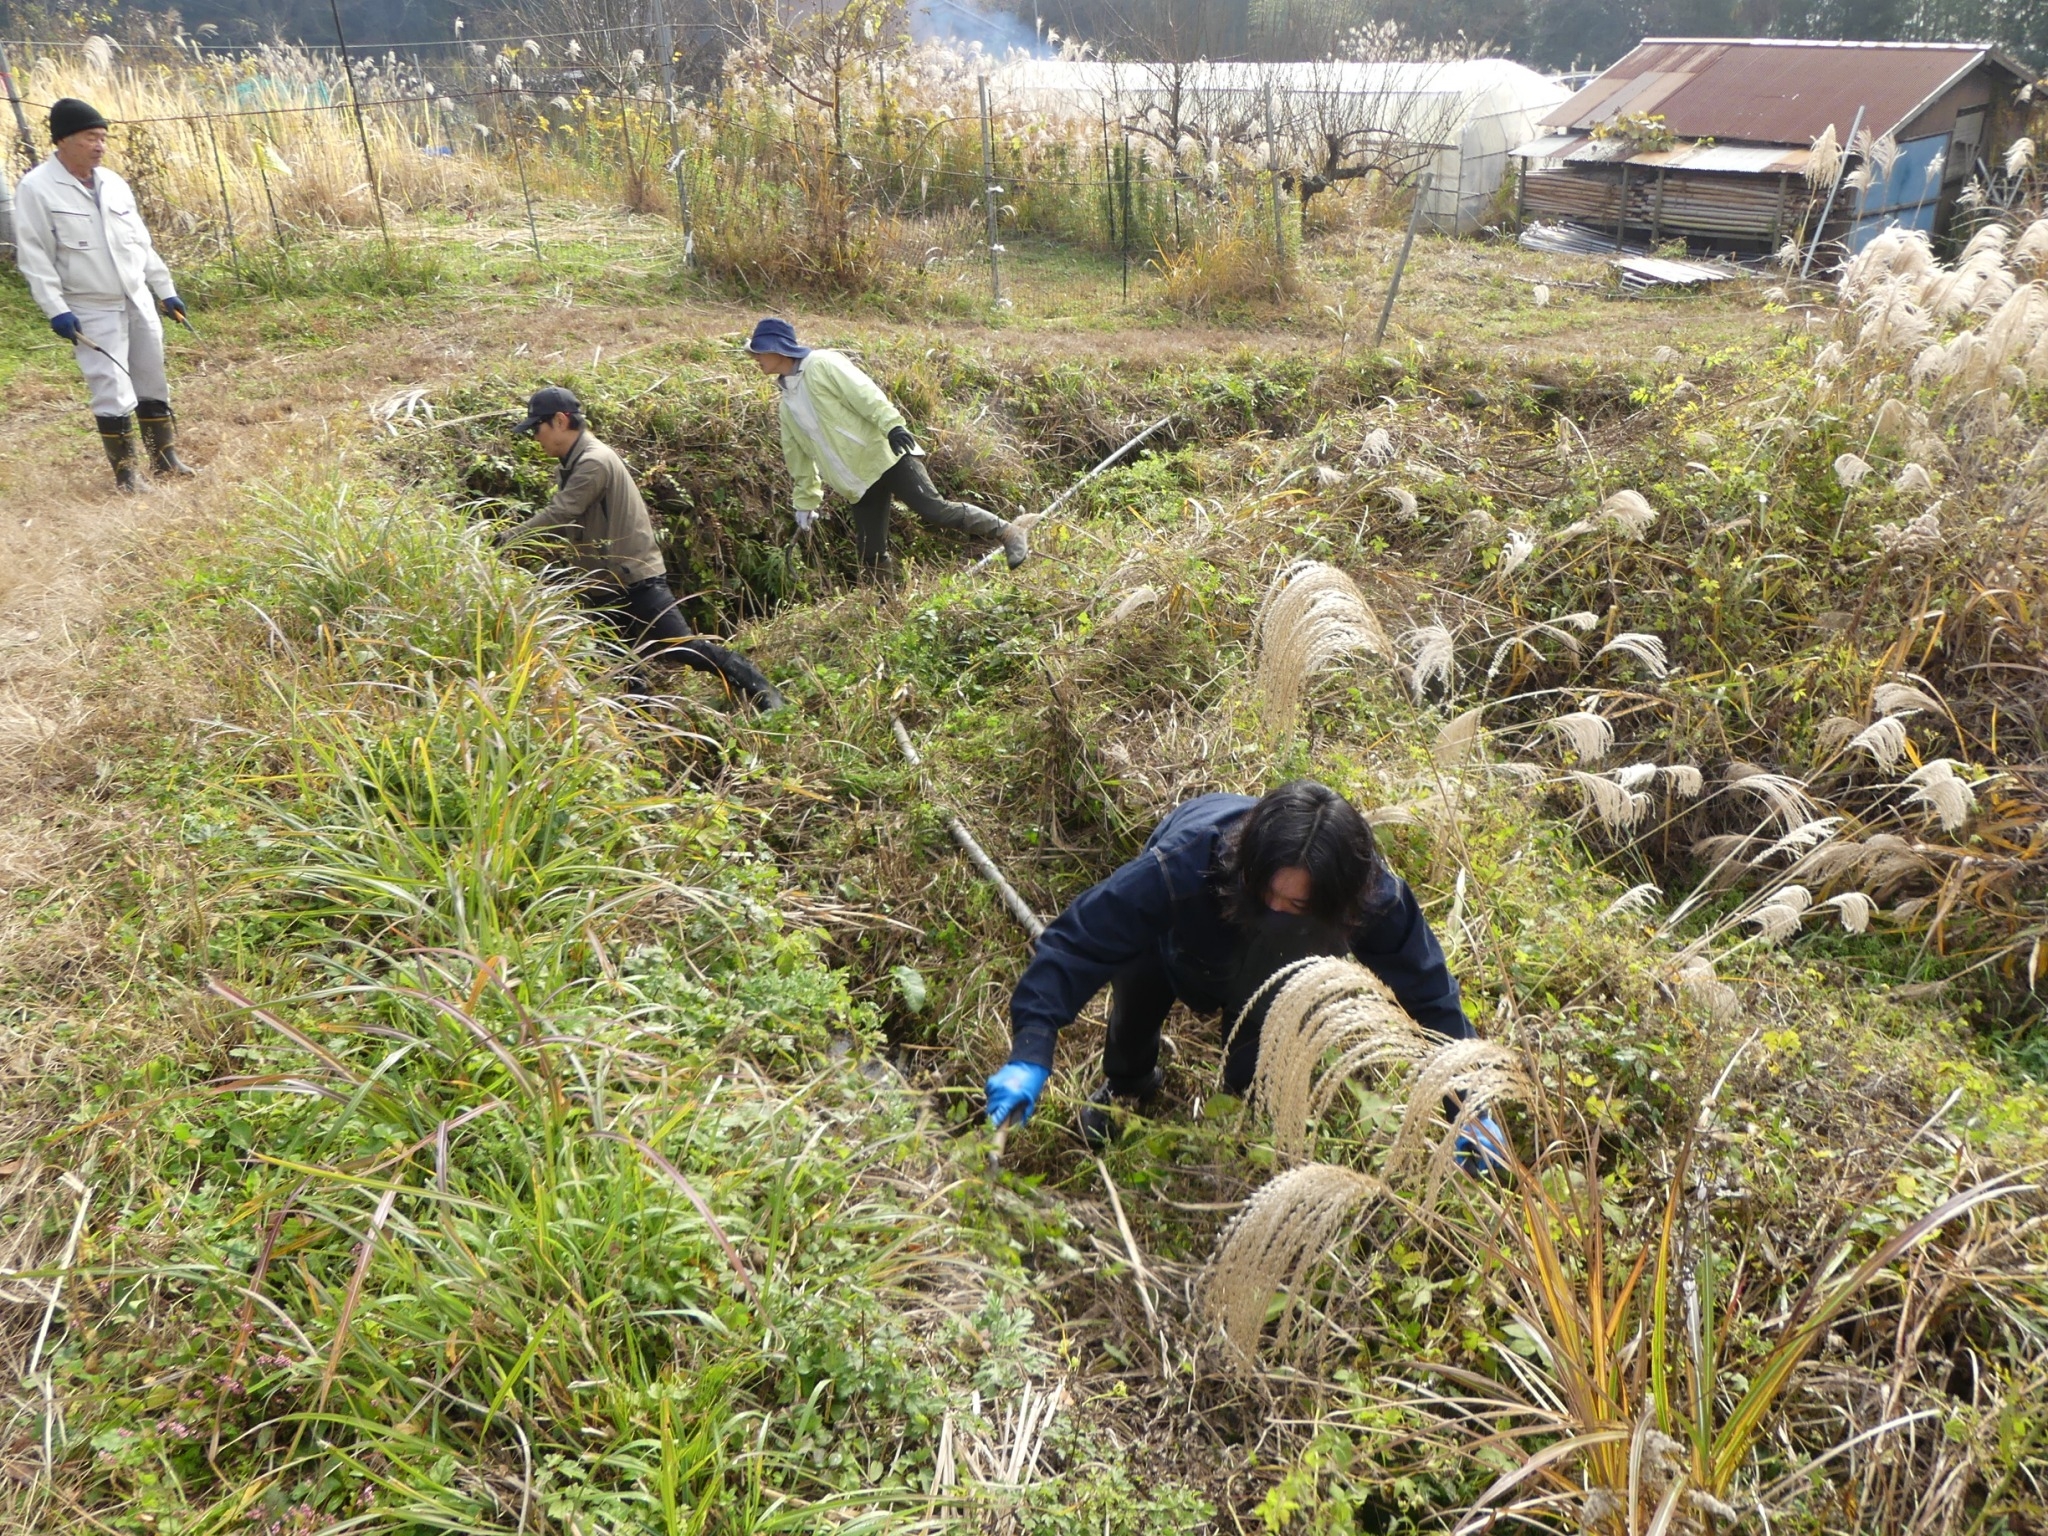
(1280, 1235)
(1312, 617)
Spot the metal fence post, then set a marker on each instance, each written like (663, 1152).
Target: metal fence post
(1828, 209)
(362, 133)
(989, 189)
(1273, 171)
(1422, 187)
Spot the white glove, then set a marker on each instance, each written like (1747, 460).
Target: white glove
(804, 519)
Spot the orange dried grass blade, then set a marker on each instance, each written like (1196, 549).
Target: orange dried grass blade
(354, 1294)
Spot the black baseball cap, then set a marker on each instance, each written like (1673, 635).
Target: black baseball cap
(545, 403)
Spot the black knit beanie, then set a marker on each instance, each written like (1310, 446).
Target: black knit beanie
(70, 116)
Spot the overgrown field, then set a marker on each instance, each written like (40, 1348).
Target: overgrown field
(462, 1103)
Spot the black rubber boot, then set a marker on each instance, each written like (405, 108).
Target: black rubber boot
(742, 676)
(1098, 1114)
(160, 436)
(117, 433)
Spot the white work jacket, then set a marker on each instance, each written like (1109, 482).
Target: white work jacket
(80, 250)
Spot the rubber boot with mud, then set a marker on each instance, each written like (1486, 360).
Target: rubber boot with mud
(117, 434)
(880, 574)
(1098, 1114)
(1016, 544)
(160, 436)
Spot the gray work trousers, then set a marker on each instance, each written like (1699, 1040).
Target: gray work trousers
(907, 482)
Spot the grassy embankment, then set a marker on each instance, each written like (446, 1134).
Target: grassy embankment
(544, 1155)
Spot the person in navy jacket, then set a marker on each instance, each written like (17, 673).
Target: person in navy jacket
(1227, 890)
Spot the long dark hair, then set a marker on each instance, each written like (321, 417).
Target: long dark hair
(1301, 825)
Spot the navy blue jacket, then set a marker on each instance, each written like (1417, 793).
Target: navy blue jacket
(1166, 900)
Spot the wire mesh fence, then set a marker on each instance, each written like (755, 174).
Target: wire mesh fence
(812, 162)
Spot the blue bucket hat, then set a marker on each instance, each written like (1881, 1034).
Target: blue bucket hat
(779, 336)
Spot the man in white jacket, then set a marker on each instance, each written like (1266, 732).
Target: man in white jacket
(90, 264)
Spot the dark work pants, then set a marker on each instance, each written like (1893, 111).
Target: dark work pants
(1141, 996)
(907, 482)
(644, 615)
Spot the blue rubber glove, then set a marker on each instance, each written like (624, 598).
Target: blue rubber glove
(1482, 1146)
(1014, 1090)
(174, 307)
(67, 326)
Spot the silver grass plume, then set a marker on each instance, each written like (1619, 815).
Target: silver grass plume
(1377, 448)
(1850, 469)
(1476, 1074)
(1313, 616)
(1785, 797)
(1459, 739)
(1919, 539)
(1696, 979)
(1637, 898)
(1896, 698)
(1134, 600)
(1913, 477)
(1591, 736)
(1992, 240)
(1516, 552)
(1884, 740)
(1330, 1020)
(1647, 649)
(1625, 512)
(1777, 915)
(1619, 808)
(1684, 780)
(2031, 248)
(1891, 420)
(1273, 1243)
(1855, 910)
(1435, 653)
(1936, 786)
(1824, 162)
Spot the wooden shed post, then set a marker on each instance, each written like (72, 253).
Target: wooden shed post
(1778, 213)
(1621, 214)
(1657, 207)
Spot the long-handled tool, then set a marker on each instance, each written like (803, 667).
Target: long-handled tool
(83, 340)
(1054, 506)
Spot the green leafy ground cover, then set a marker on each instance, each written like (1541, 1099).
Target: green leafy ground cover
(495, 1110)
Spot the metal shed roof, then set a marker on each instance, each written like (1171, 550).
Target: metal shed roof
(1762, 90)
(1584, 149)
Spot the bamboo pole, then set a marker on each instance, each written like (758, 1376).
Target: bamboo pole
(986, 867)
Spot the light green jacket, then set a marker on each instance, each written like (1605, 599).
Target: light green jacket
(853, 416)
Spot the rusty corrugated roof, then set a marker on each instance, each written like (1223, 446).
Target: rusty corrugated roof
(1764, 91)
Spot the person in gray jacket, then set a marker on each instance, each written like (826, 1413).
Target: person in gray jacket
(93, 270)
(597, 513)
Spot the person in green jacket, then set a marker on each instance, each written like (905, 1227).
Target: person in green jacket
(839, 429)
